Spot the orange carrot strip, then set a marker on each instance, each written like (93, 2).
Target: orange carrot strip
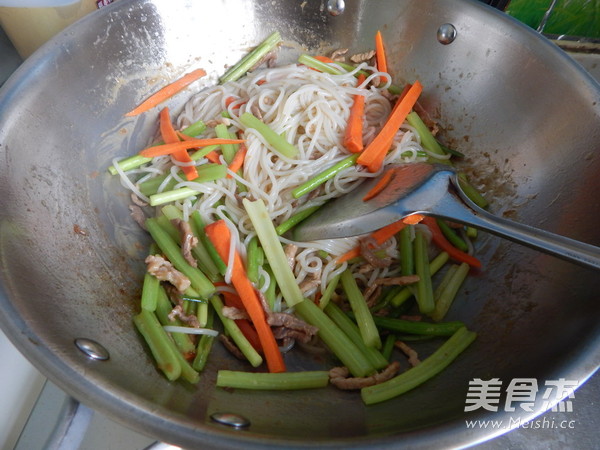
(372, 157)
(350, 254)
(249, 332)
(353, 138)
(220, 236)
(229, 100)
(169, 136)
(324, 59)
(380, 236)
(167, 149)
(380, 55)
(405, 90)
(238, 160)
(440, 240)
(413, 219)
(213, 156)
(383, 234)
(379, 186)
(167, 92)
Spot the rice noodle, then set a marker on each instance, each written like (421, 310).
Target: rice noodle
(311, 110)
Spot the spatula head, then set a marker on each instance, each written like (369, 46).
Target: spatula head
(409, 189)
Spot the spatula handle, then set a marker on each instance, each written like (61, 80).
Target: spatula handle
(553, 244)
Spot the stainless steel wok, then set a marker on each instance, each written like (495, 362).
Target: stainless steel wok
(71, 258)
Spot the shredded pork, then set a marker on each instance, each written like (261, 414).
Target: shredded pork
(340, 377)
(138, 216)
(234, 313)
(178, 313)
(231, 347)
(393, 281)
(339, 54)
(368, 247)
(163, 270)
(413, 357)
(290, 251)
(362, 57)
(188, 240)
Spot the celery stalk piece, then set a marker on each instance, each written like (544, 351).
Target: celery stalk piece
(271, 290)
(251, 59)
(228, 150)
(424, 288)
(351, 330)
(295, 219)
(236, 334)
(388, 346)
(149, 292)
(449, 292)
(413, 327)
(171, 196)
(445, 280)
(337, 341)
(198, 226)
(164, 307)
(170, 248)
(199, 251)
(158, 341)
(427, 139)
(254, 258)
(329, 290)
(451, 235)
(135, 161)
(327, 174)
(314, 63)
(279, 143)
(171, 212)
(202, 313)
(169, 228)
(417, 375)
(150, 287)
(364, 319)
(273, 381)
(473, 194)
(407, 262)
(204, 344)
(259, 216)
(434, 266)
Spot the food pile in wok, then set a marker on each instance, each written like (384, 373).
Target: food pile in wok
(220, 192)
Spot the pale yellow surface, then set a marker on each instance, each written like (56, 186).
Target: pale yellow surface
(29, 28)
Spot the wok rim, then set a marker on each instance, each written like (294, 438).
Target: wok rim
(86, 391)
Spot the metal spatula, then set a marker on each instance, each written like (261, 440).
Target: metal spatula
(430, 190)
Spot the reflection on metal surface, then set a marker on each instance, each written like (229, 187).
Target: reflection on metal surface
(336, 7)
(231, 420)
(446, 33)
(92, 349)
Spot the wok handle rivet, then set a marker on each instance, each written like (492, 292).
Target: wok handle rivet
(336, 7)
(92, 349)
(446, 33)
(230, 419)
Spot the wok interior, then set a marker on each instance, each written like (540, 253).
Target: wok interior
(72, 257)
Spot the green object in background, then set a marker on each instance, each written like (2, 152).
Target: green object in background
(579, 18)
(530, 12)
